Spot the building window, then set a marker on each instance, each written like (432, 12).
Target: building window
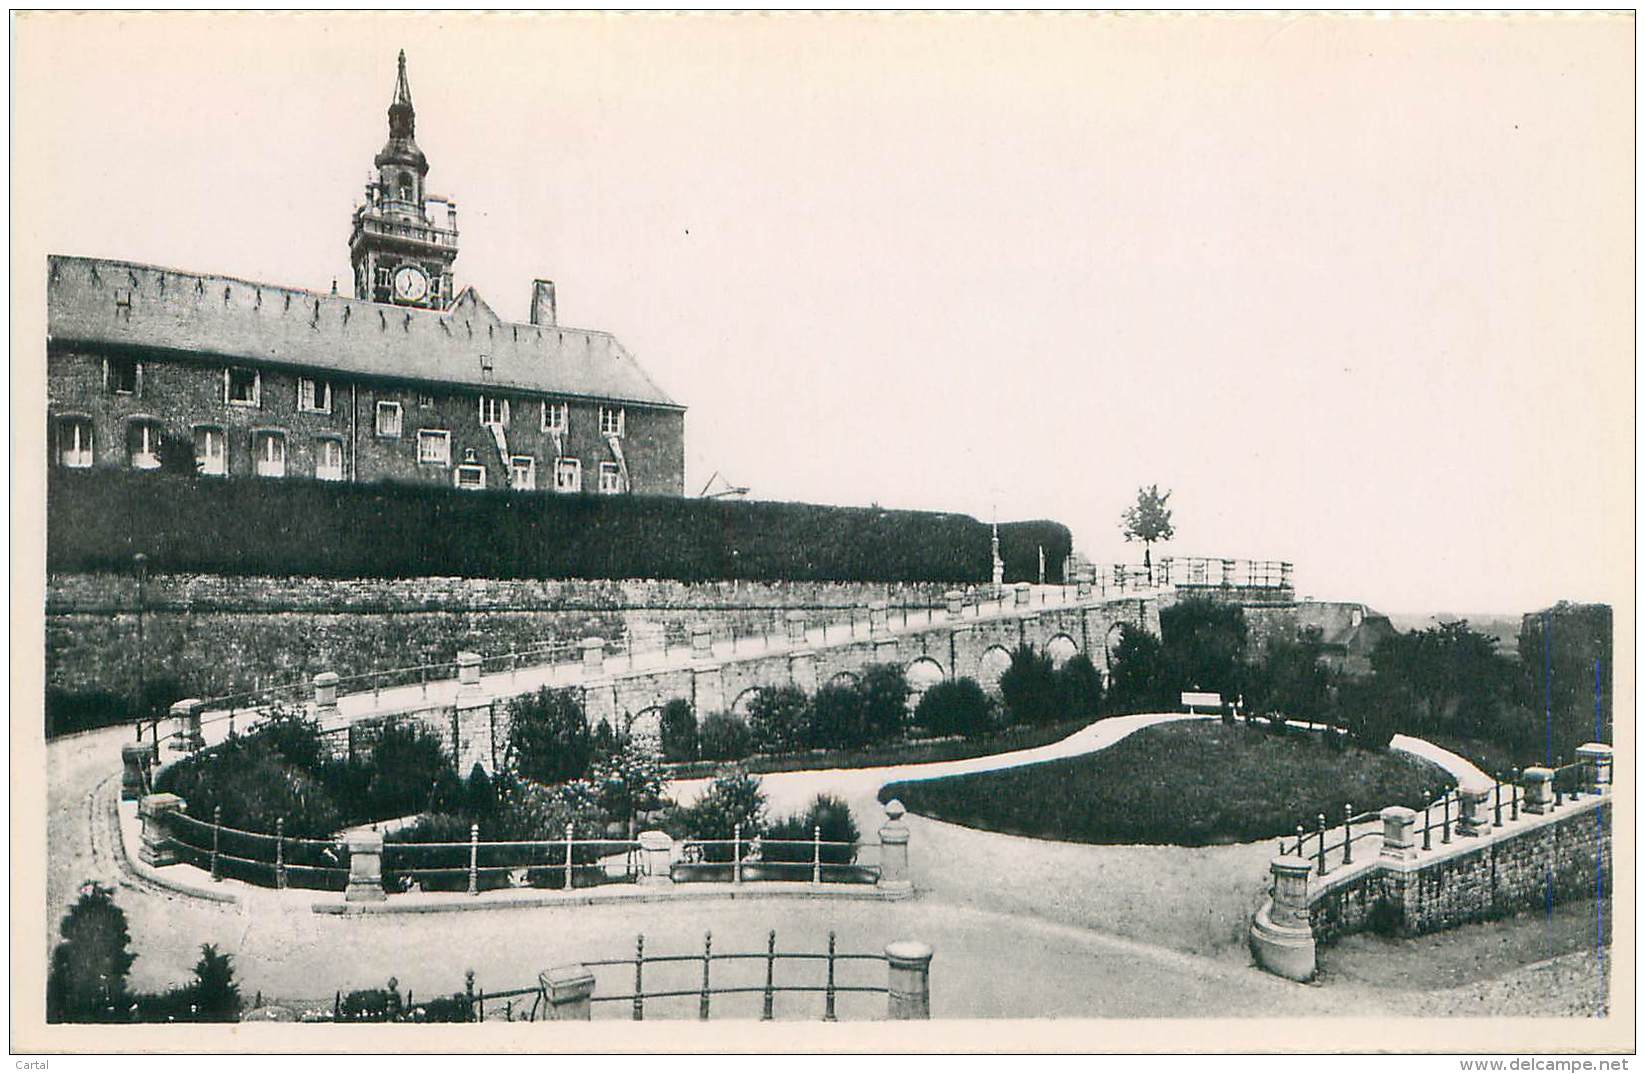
(210, 451)
(522, 472)
(74, 442)
(555, 417)
(611, 477)
(611, 421)
(328, 459)
(493, 411)
(425, 399)
(143, 442)
(434, 447)
(568, 476)
(388, 420)
(471, 477)
(485, 363)
(270, 451)
(242, 387)
(314, 396)
(383, 280)
(123, 376)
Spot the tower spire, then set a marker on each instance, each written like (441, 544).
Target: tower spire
(402, 118)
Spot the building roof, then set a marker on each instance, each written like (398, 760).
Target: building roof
(118, 303)
(1335, 621)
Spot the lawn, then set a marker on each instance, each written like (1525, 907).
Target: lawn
(1188, 784)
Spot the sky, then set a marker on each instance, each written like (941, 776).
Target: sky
(1358, 290)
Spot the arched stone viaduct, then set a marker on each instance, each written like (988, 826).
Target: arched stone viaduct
(958, 642)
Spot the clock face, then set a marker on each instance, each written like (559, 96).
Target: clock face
(410, 283)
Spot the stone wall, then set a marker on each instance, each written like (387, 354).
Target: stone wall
(216, 634)
(1560, 857)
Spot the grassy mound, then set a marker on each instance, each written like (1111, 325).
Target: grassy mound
(1191, 783)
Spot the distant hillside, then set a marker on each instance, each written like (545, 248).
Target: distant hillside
(1503, 627)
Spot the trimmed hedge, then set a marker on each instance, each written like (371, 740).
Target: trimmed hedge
(97, 519)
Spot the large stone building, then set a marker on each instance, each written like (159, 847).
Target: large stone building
(409, 380)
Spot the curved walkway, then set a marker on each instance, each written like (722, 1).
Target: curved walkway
(1066, 922)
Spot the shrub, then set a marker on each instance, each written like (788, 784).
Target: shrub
(214, 994)
(480, 794)
(733, 798)
(405, 763)
(1204, 645)
(255, 787)
(1079, 687)
(778, 716)
(724, 737)
(548, 739)
(826, 812)
(401, 849)
(370, 1005)
(293, 735)
(957, 707)
(679, 731)
(1029, 687)
(838, 718)
(629, 780)
(1139, 680)
(884, 689)
(86, 980)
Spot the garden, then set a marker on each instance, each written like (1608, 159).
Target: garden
(1189, 783)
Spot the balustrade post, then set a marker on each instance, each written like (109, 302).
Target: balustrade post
(908, 980)
(1597, 759)
(474, 859)
(468, 673)
(365, 870)
(1471, 796)
(593, 655)
(136, 762)
(156, 812)
(1397, 841)
(894, 880)
(325, 696)
(185, 717)
(955, 602)
(570, 992)
(1538, 790)
(656, 848)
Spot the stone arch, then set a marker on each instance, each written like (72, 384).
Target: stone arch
(994, 662)
(1060, 649)
(739, 707)
(646, 728)
(922, 674)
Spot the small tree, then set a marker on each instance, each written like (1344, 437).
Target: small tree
(86, 981)
(734, 798)
(829, 818)
(838, 718)
(176, 454)
(1029, 687)
(1138, 678)
(779, 718)
(959, 707)
(629, 781)
(216, 997)
(548, 738)
(724, 737)
(679, 731)
(1079, 687)
(1148, 520)
(884, 690)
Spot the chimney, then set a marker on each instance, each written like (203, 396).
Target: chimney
(542, 303)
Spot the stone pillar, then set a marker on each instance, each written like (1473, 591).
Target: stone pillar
(796, 627)
(885, 650)
(707, 689)
(468, 673)
(185, 717)
(956, 603)
(894, 881)
(325, 695)
(570, 991)
(1024, 590)
(593, 655)
(656, 854)
(908, 983)
(156, 811)
(1282, 938)
(802, 670)
(365, 865)
(702, 642)
(1083, 592)
(1539, 789)
(1473, 816)
(136, 763)
(877, 615)
(1399, 833)
(1597, 757)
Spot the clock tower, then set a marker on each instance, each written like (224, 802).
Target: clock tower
(400, 251)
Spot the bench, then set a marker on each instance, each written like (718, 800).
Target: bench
(1193, 702)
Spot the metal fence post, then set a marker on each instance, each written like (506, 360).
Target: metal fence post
(568, 847)
(816, 854)
(1299, 840)
(828, 1009)
(1496, 810)
(1321, 823)
(1513, 795)
(1445, 832)
(1559, 792)
(1427, 820)
(474, 859)
(280, 853)
(702, 1001)
(468, 990)
(639, 977)
(1348, 833)
(216, 832)
(770, 973)
(737, 854)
